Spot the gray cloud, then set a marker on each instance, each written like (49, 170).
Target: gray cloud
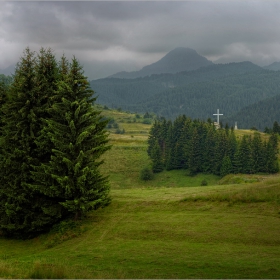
(106, 36)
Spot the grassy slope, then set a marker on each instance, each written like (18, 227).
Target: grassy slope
(166, 228)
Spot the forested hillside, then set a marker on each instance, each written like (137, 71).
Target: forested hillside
(197, 94)
(259, 115)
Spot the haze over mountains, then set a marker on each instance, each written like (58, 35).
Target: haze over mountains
(177, 60)
(184, 82)
(273, 66)
(8, 71)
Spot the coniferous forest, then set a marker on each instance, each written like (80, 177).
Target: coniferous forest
(200, 147)
(51, 142)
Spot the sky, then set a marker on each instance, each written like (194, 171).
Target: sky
(112, 36)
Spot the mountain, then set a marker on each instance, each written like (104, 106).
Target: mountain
(275, 66)
(197, 94)
(116, 92)
(177, 60)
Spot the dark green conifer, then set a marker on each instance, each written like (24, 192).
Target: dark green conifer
(21, 211)
(246, 159)
(226, 166)
(257, 153)
(72, 177)
(157, 163)
(51, 143)
(195, 154)
(272, 164)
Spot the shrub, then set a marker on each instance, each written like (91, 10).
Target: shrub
(203, 183)
(147, 121)
(146, 174)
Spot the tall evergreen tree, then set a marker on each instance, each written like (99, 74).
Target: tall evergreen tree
(21, 211)
(156, 157)
(195, 154)
(51, 142)
(226, 166)
(257, 153)
(72, 177)
(272, 151)
(276, 128)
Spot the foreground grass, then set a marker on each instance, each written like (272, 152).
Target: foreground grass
(169, 227)
(159, 233)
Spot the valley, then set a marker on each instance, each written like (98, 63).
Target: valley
(169, 227)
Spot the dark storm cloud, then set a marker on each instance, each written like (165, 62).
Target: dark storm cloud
(133, 34)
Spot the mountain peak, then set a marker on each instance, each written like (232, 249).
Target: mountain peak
(178, 60)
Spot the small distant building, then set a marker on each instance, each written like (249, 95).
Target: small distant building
(217, 125)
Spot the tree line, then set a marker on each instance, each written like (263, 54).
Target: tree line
(51, 140)
(200, 147)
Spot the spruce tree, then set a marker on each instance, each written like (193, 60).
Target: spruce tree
(72, 177)
(226, 167)
(51, 142)
(157, 163)
(271, 153)
(195, 154)
(21, 211)
(257, 153)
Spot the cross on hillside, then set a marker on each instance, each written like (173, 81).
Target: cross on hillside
(218, 114)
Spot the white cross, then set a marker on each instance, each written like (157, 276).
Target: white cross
(218, 114)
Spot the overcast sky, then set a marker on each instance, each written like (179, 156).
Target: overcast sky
(108, 37)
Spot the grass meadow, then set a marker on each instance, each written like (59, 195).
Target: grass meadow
(170, 227)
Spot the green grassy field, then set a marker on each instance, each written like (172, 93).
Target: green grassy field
(170, 227)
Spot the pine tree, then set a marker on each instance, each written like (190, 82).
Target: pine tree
(271, 153)
(51, 142)
(154, 136)
(232, 144)
(222, 148)
(246, 159)
(21, 211)
(195, 155)
(72, 177)
(237, 161)
(257, 153)
(226, 167)
(170, 150)
(276, 128)
(157, 163)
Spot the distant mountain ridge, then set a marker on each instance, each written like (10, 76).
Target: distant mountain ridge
(9, 71)
(275, 66)
(177, 60)
(197, 94)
